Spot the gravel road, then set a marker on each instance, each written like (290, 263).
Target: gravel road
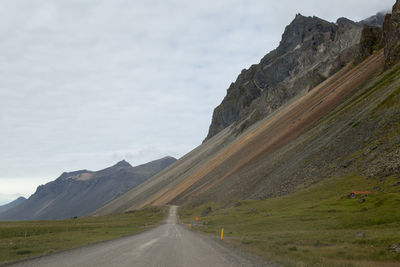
(167, 245)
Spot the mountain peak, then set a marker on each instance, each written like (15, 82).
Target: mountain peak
(123, 163)
(344, 21)
(169, 157)
(304, 28)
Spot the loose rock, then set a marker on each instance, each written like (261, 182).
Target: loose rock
(395, 248)
(360, 235)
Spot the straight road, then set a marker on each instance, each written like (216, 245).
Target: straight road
(167, 245)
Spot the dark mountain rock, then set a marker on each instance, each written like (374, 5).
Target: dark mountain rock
(81, 192)
(371, 40)
(311, 50)
(12, 204)
(391, 36)
(388, 37)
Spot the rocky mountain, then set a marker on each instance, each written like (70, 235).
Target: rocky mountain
(311, 50)
(345, 125)
(12, 204)
(81, 192)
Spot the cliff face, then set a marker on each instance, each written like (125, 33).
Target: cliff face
(391, 36)
(371, 40)
(311, 50)
(388, 37)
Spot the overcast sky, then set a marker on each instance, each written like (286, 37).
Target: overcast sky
(87, 83)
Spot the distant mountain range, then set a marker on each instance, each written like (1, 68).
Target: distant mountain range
(12, 204)
(81, 192)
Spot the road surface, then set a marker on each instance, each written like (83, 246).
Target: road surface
(167, 245)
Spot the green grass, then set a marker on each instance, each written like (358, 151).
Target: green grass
(318, 226)
(23, 239)
(390, 101)
(354, 124)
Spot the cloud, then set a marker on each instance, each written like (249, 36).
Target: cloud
(85, 82)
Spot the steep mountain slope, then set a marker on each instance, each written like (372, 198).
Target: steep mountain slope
(223, 156)
(311, 50)
(360, 136)
(330, 196)
(79, 193)
(275, 156)
(12, 204)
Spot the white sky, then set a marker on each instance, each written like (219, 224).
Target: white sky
(87, 83)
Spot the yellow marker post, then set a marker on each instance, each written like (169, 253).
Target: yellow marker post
(190, 226)
(222, 233)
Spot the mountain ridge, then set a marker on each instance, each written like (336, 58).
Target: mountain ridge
(80, 192)
(12, 204)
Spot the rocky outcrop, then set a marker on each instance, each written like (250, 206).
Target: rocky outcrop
(388, 37)
(371, 40)
(311, 50)
(391, 36)
(81, 192)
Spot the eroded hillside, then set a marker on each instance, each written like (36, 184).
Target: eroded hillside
(312, 137)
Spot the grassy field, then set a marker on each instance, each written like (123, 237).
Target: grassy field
(19, 240)
(319, 226)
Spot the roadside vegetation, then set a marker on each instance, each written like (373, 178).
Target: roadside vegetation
(24, 239)
(319, 226)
